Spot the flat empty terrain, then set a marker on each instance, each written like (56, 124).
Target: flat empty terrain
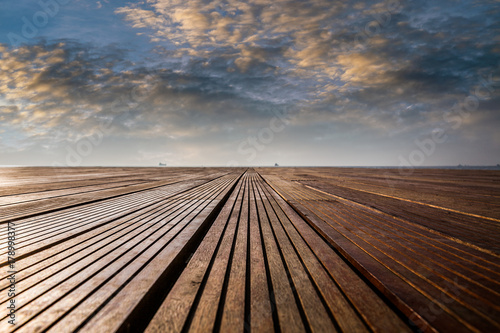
(236, 249)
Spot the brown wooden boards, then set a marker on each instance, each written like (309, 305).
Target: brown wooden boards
(234, 250)
(36, 203)
(439, 281)
(256, 271)
(62, 290)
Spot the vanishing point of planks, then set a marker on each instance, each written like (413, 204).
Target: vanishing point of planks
(261, 250)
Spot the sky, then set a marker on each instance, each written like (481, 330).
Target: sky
(249, 83)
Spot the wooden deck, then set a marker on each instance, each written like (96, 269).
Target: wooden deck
(265, 249)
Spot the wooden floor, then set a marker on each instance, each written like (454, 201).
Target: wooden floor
(262, 250)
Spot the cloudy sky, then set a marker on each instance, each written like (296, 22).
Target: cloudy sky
(257, 82)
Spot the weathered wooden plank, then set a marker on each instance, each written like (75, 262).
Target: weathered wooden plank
(377, 315)
(474, 294)
(468, 228)
(312, 304)
(471, 190)
(433, 277)
(288, 313)
(470, 301)
(261, 308)
(118, 311)
(25, 210)
(97, 275)
(203, 316)
(76, 282)
(101, 238)
(471, 255)
(121, 309)
(233, 304)
(339, 307)
(57, 194)
(81, 223)
(173, 313)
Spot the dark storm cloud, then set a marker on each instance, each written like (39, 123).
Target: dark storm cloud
(67, 88)
(422, 60)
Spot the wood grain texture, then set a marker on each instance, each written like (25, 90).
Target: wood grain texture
(261, 250)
